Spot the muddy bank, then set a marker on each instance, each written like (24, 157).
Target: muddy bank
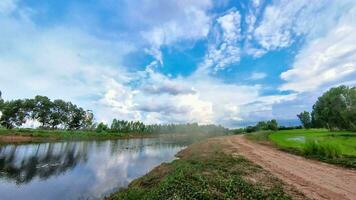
(19, 139)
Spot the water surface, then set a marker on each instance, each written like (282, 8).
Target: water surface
(78, 169)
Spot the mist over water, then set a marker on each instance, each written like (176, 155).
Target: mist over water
(78, 169)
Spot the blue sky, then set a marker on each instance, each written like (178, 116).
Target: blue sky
(163, 61)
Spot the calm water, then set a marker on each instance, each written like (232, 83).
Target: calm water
(77, 169)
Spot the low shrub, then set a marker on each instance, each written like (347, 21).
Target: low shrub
(323, 150)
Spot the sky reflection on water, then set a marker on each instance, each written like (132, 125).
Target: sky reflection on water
(77, 169)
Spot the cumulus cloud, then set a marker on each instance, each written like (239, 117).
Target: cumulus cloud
(175, 24)
(64, 61)
(224, 49)
(326, 60)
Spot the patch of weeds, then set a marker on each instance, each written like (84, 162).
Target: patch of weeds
(259, 136)
(324, 150)
(220, 177)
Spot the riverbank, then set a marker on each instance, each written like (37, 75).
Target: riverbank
(20, 136)
(211, 169)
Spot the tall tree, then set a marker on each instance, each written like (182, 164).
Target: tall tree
(336, 108)
(42, 110)
(272, 125)
(59, 113)
(13, 114)
(305, 119)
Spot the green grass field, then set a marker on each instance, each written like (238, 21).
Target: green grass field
(299, 139)
(338, 147)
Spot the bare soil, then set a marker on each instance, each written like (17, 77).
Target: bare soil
(18, 139)
(315, 179)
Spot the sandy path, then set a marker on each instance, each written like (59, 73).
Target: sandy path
(315, 179)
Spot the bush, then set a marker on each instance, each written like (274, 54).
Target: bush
(322, 150)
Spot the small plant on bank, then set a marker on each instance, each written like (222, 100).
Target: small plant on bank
(323, 150)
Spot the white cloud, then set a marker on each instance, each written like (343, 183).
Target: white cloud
(276, 28)
(325, 61)
(181, 20)
(67, 62)
(258, 76)
(230, 24)
(224, 49)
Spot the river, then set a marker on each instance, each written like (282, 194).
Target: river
(78, 169)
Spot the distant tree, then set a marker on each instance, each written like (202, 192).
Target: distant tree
(262, 125)
(336, 108)
(88, 120)
(305, 119)
(42, 110)
(58, 114)
(13, 114)
(272, 125)
(101, 127)
(76, 117)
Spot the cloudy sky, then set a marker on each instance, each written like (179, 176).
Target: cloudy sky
(227, 62)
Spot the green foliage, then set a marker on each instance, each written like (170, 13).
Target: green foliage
(123, 126)
(305, 119)
(337, 147)
(51, 114)
(188, 128)
(263, 126)
(258, 136)
(219, 177)
(101, 127)
(336, 109)
(272, 125)
(323, 150)
(13, 114)
(238, 131)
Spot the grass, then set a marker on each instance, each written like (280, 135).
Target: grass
(66, 134)
(259, 136)
(333, 147)
(325, 150)
(205, 172)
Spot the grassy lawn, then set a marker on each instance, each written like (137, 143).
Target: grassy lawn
(337, 147)
(204, 171)
(299, 138)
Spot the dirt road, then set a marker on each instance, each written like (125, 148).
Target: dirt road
(315, 179)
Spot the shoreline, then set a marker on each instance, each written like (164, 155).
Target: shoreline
(209, 169)
(28, 138)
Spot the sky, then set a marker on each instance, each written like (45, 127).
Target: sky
(225, 62)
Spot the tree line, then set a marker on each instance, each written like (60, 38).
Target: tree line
(260, 126)
(59, 114)
(334, 110)
(123, 126)
(50, 114)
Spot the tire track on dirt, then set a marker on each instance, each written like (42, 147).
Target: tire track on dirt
(315, 179)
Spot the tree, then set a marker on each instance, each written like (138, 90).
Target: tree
(305, 119)
(88, 120)
(59, 113)
(76, 117)
(336, 108)
(101, 127)
(13, 114)
(262, 125)
(42, 110)
(272, 125)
